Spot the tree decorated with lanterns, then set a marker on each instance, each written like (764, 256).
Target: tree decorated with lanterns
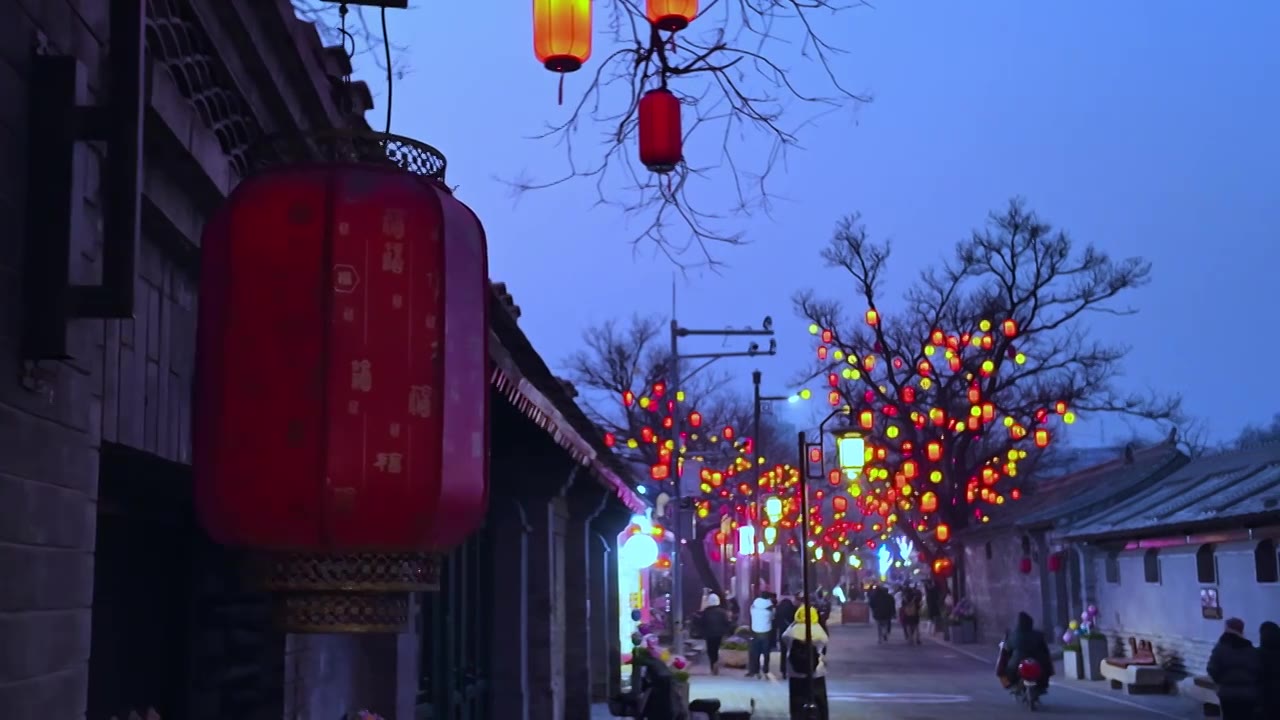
(983, 367)
(623, 373)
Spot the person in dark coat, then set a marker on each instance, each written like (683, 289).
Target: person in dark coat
(782, 616)
(1027, 643)
(1236, 667)
(1269, 654)
(882, 609)
(715, 625)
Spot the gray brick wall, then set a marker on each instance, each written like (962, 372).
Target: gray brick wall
(996, 586)
(128, 381)
(50, 420)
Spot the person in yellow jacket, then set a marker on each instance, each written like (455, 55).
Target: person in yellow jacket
(806, 656)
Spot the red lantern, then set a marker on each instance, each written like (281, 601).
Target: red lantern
(661, 134)
(1055, 563)
(672, 15)
(1024, 566)
(943, 567)
(322, 424)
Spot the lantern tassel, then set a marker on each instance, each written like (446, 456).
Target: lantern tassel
(561, 96)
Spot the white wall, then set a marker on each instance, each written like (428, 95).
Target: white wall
(1168, 613)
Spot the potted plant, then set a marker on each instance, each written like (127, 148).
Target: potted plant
(964, 623)
(1093, 644)
(1072, 659)
(734, 651)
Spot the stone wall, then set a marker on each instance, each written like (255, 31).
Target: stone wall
(1168, 613)
(213, 87)
(997, 587)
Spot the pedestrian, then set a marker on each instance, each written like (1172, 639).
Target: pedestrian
(911, 616)
(781, 620)
(715, 625)
(1269, 653)
(761, 637)
(933, 605)
(882, 609)
(735, 610)
(806, 653)
(1236, 667)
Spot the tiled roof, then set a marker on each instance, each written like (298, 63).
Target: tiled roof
(1227, 488)
(1052, 500)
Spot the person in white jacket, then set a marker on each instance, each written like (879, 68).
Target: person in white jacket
(761, 636)
(807, 654)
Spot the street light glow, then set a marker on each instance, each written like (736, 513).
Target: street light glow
(851, 451)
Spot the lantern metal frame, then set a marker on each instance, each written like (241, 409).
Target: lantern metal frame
(361, 147)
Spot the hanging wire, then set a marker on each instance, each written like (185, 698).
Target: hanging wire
(386, 49)
(348, 40)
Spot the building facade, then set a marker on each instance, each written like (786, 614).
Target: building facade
(113, 600)
(1018, 562)
(1200, 546)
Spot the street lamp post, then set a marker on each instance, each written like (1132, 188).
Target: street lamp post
(756, 560)
(677, 423)
(844, 444)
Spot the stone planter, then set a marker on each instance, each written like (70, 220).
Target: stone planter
(1073, 664)
(964, 632)
(733, 658)
(1093, 650)
(681, 692)
(855, 613)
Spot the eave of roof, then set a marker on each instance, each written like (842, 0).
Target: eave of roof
(524, 377)
(1227, 489)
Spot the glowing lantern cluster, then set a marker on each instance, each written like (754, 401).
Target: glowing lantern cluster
(944, 435)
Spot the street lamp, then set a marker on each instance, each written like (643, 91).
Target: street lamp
(755, 460)
(677, 381)
(806, 452)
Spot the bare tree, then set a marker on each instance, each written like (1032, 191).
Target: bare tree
(733, 72)
(957, 393)
(1253, 435)
(730, 69)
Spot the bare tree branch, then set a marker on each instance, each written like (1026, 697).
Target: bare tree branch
(731, 71)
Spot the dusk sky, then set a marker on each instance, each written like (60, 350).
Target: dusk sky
(1146, 127)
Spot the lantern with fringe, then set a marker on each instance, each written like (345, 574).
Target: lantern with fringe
(562, 35)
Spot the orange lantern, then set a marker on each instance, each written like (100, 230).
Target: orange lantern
(873, 317)
(1010, 328)
(934, 451)
(695, 419)
(943, 532)
(562, 35)
(1042, 438)
(929, 502)
(866, 419)
(672, 15)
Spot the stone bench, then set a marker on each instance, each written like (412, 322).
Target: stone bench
(1135, 678)
(1203, 691)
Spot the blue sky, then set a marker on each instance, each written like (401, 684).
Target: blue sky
(1146, 127)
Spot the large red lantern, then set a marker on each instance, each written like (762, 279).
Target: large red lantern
(661, 135)
(562, 35)
(672, 15)
(339, 300)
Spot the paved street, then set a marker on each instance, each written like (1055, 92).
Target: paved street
(933, 680)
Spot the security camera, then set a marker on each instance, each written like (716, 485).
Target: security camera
(768, 323)
(753, 348)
